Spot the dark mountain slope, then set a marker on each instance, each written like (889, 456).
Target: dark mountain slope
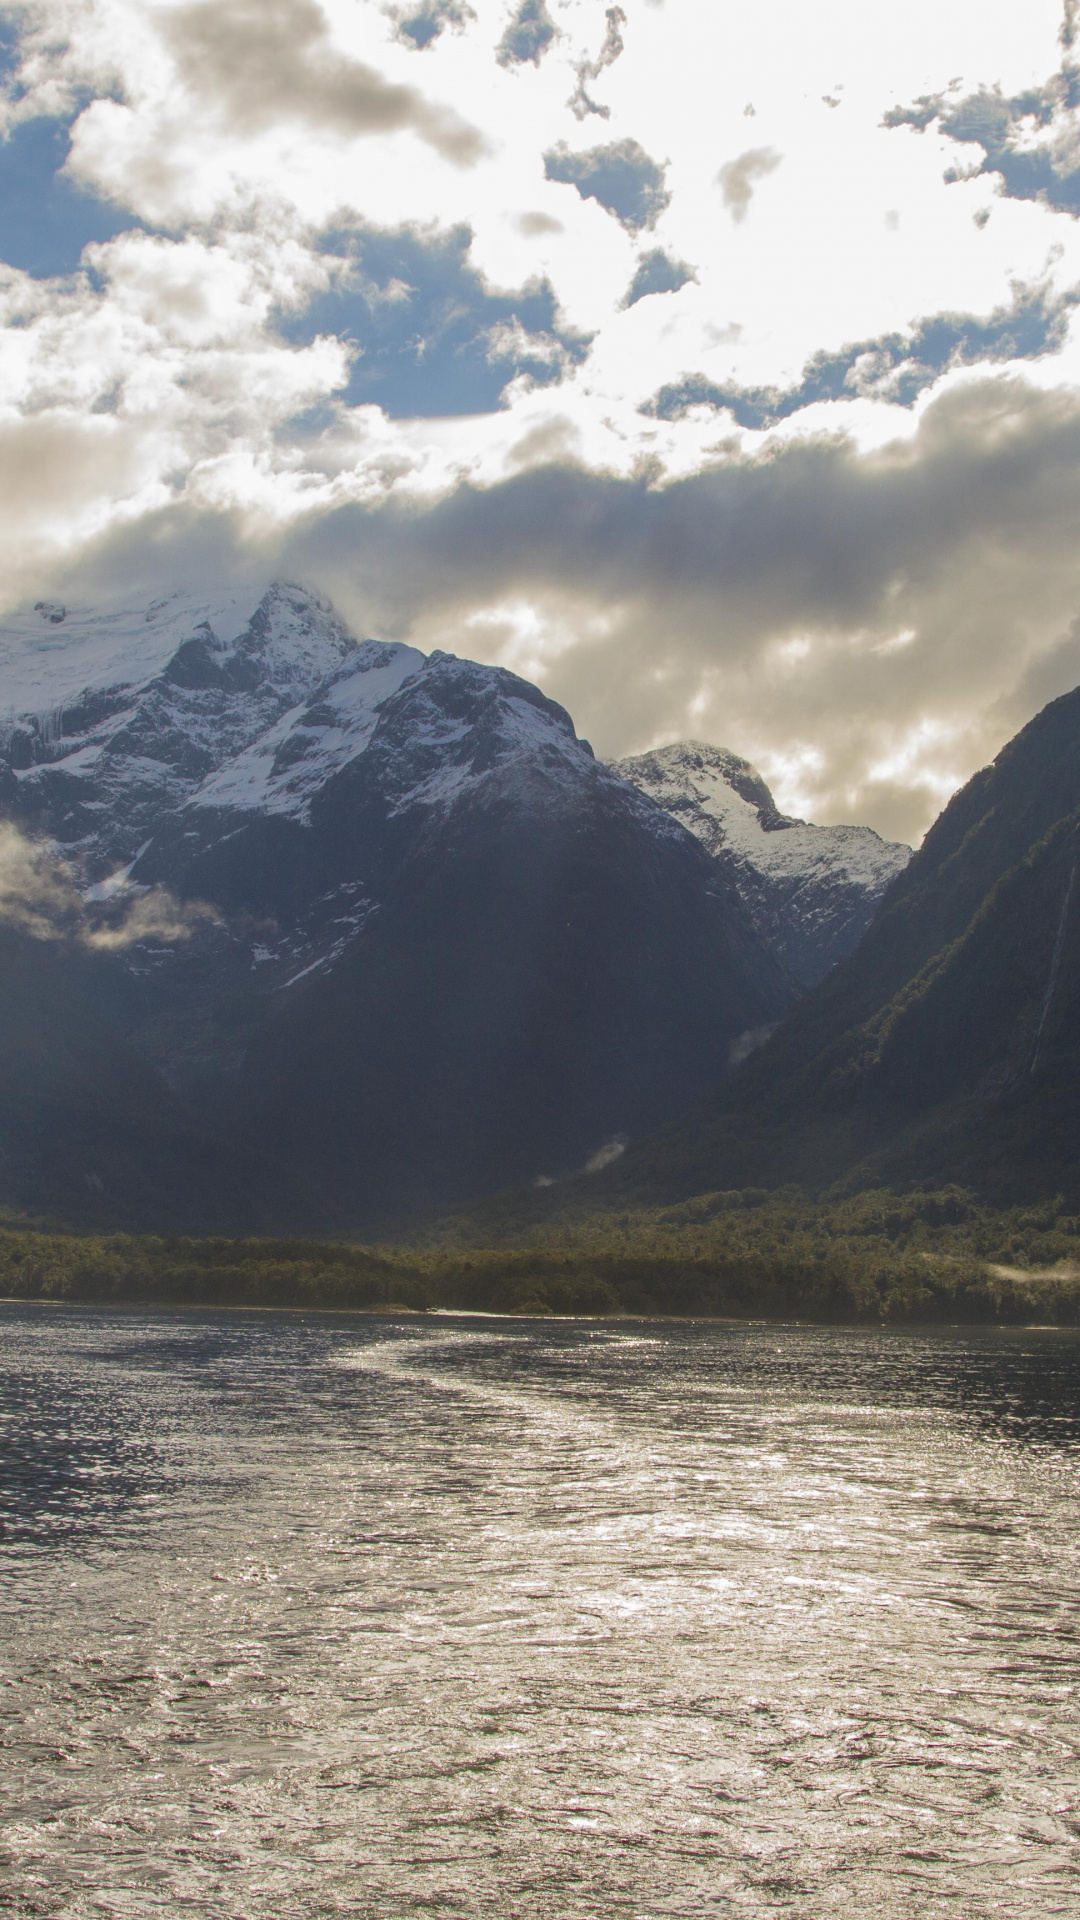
(946, 1046)
(89, 1133)
(412, 941)
(552, 962)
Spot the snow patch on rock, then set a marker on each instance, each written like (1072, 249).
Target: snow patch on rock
(295, 757)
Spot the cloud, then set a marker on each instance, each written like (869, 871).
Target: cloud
(433, 338)
(738, 178)
(270, 60)
(604, 1156)
(56, 464)
(39, 895)
(657, 272)
(528, 35)
(620, 177)
(747, 1043)
(119, 388)
(863, 626)
(156, 915)
(895, 367)
(532, 225)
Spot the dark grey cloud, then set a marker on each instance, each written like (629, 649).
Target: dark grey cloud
(528, 35)
(817, 600)
(621, 177)
(1028, 140)
(45, 219)
(657, 272)
(268, 60)
(738, 179)
(894, 366)
(581, 103)
(421, 25)
(433, 338)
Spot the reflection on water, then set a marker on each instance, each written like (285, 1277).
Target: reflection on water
(316, 1616)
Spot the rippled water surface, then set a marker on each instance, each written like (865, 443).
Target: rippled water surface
(312, 1615)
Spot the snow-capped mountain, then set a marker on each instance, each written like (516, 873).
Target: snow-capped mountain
(443, 950)
(115, 717)
(810, 891)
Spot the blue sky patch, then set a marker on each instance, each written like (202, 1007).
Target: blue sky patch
(1005, 128)
(46, 221)
(529, 35)
(895, 367)
(434, 340)
(621, 178)
(422, 24)
(657, 273)
(9, 47)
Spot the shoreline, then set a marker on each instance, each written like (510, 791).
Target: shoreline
(206, 1308)
(865, 1264)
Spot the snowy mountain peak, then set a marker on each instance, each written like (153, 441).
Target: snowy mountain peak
(720, 796)
(811, 891)
(293, 759)
(50, 653)
(118, 713)
(712, 772)
(294, 638)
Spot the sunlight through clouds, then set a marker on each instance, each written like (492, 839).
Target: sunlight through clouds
(302, 265)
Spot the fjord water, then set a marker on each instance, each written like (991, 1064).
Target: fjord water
(310, 1616)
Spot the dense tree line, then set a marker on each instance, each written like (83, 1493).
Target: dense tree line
(864, 1258)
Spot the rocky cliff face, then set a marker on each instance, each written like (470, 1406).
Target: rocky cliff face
(810, 891)
(412, 941)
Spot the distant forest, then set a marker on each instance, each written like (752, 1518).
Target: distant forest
(871, 1258)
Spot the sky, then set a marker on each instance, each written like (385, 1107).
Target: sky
(716, 368)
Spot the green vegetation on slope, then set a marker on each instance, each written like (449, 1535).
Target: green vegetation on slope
(866, 1259)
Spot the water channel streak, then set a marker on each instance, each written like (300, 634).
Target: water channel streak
(316, 1616)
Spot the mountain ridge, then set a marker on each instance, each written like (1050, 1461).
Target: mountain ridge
(811, 891)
